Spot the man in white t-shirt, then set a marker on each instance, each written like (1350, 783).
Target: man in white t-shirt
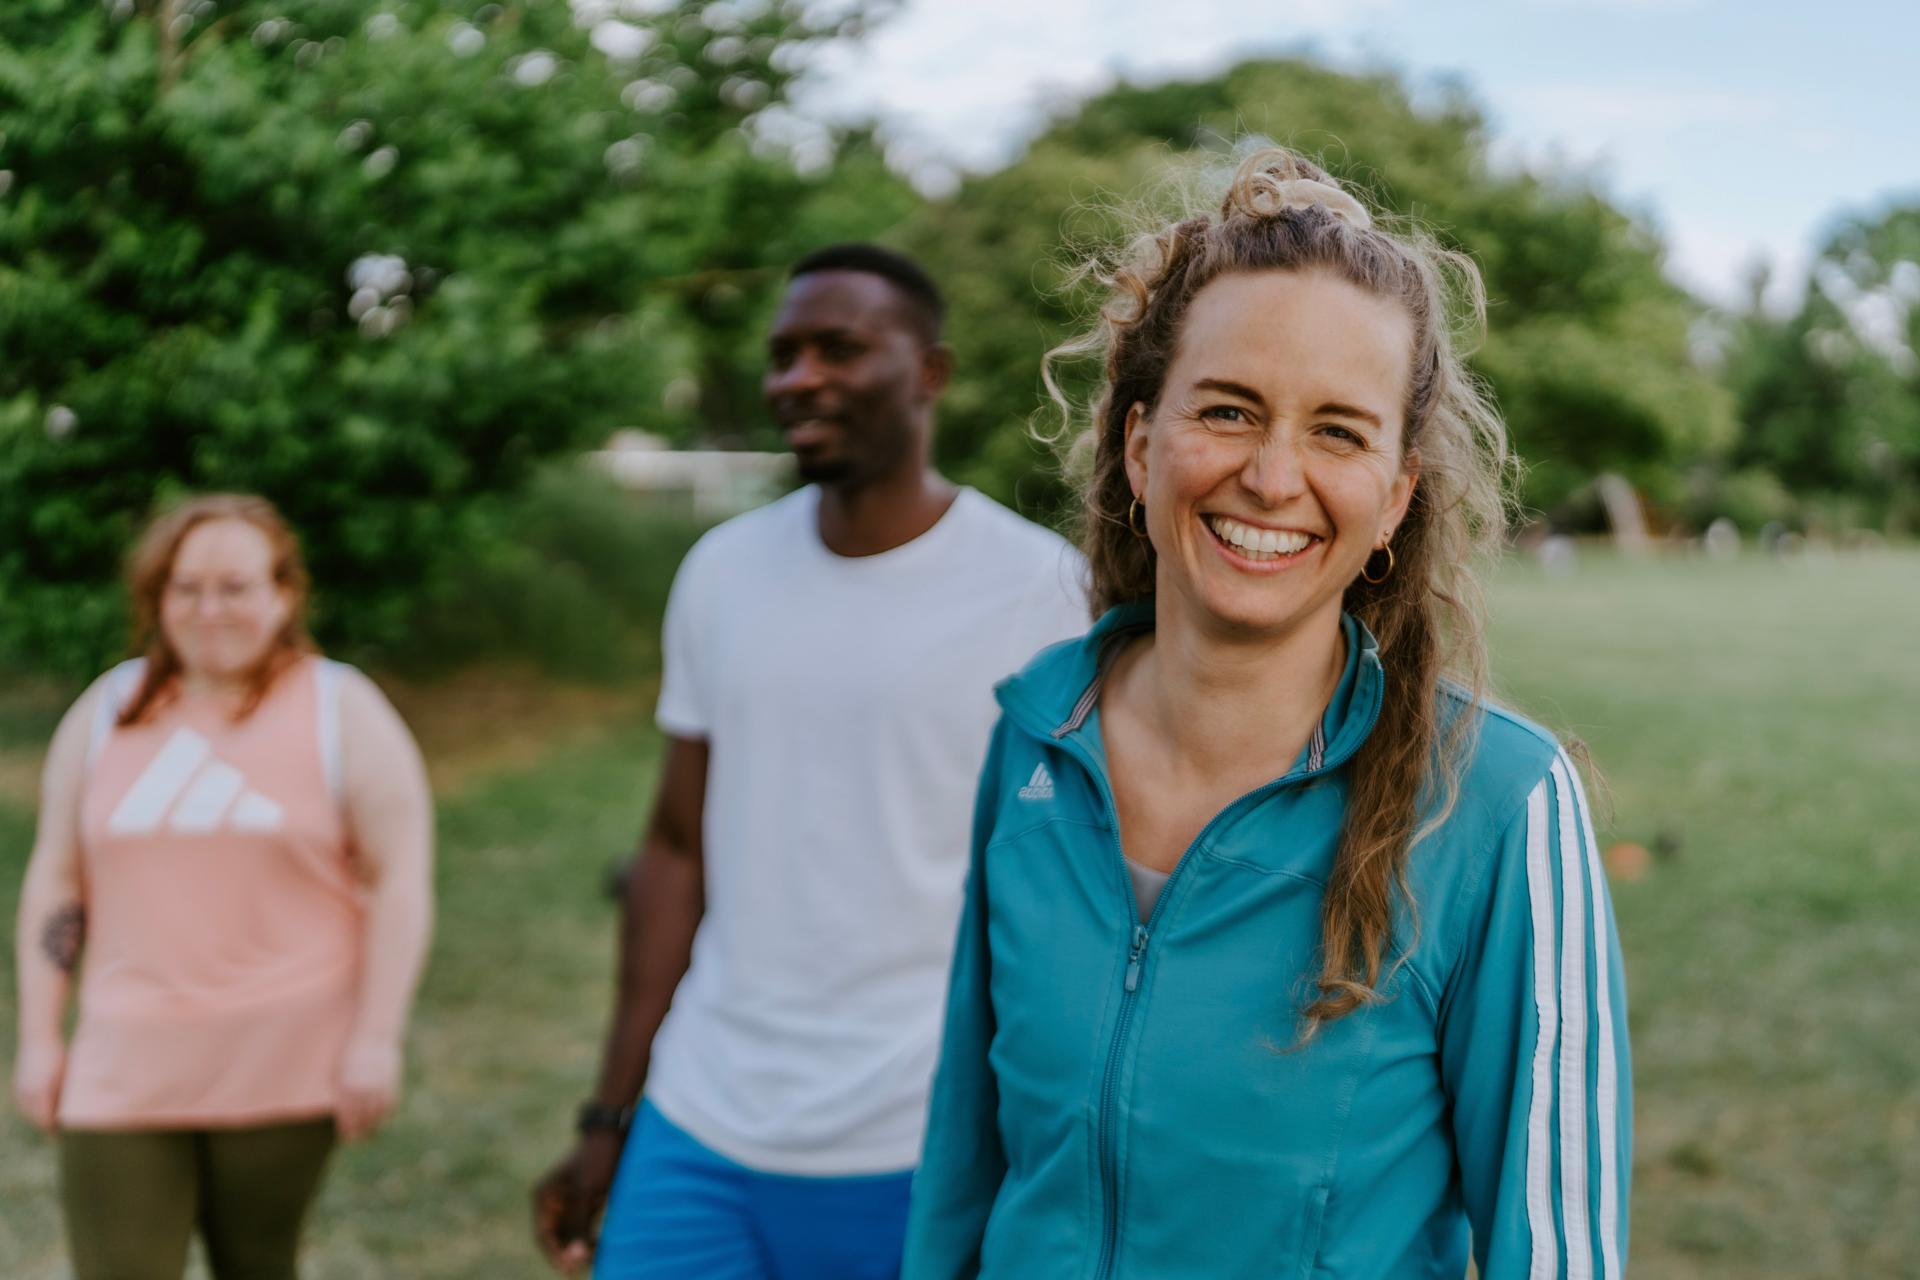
(829, 664)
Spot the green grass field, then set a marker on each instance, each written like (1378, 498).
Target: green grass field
(1763, 717)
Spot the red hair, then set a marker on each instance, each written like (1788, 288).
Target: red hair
(150, 565)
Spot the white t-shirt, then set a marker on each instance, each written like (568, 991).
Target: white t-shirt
(848, 701)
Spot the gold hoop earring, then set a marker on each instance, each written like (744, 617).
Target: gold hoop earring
(1371, 580)
(1139, 530)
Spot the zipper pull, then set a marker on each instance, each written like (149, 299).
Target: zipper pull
(1133, 956)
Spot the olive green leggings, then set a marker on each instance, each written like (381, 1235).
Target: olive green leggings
(132, 1198)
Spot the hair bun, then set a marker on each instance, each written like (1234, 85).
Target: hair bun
(1273, 181)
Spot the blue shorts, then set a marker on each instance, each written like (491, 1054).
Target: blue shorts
(678, 1211)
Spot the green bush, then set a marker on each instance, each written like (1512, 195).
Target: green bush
(572, 576)
(1752, 498)
(374, 259)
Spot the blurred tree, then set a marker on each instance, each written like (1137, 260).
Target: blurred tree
(1830, 397)
(1588, 346)
(373, 258)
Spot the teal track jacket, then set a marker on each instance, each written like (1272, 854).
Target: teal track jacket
(1119, 1098)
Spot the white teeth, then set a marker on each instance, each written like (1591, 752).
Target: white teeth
(1258, 543)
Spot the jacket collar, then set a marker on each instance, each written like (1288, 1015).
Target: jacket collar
(1055, 695)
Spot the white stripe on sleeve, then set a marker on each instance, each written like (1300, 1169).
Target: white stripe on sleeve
(1545, 1263)
(1606, 1083)
(1574, 1216)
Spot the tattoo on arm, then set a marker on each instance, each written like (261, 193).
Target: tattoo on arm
(63, 935)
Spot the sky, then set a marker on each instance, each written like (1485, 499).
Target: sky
(1741, 131)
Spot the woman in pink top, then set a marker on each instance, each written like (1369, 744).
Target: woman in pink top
(234, 855)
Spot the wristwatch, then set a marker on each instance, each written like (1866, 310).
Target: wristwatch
(598, 1117)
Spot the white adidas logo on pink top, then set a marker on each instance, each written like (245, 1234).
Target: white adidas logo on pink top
(199, 790)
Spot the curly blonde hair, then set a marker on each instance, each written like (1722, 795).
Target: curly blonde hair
(1427, 615)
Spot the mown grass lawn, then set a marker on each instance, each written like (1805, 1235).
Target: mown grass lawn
(1767, 717)
(1761, 718)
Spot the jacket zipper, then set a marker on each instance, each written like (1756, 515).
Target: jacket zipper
(1109, 1103)
(1065, 735)
(1130, 983)
(1137, 941)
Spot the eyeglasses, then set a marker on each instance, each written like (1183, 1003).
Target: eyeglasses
(228, 593)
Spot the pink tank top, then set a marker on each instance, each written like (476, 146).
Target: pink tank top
(224, 920)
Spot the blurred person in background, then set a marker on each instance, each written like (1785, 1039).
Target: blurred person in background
(234, 855)
(1299, 959)
(829, 661)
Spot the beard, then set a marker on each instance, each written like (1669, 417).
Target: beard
(827, 469)
(868, 447)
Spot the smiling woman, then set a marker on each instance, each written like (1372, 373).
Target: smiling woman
(232, 872)
(1293, 363)
(1301, 961)
(1277, 447)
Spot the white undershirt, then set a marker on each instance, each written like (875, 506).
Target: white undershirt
(1147, 884)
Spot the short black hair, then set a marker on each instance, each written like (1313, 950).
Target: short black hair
(924, 305)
